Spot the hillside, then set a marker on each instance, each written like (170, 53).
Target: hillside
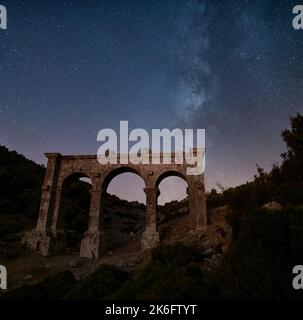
(124, 223)
(20, 184)
(253, 241)
(20, 193)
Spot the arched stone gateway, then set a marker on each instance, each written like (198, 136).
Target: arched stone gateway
(48, 238)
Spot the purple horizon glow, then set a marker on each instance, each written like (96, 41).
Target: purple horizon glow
(171, 188)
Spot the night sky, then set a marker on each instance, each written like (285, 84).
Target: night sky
(71, 68)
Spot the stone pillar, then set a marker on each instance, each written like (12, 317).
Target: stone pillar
(197, 203)
(150, 237)
(57, 223)
(41, 239)
(93, 242)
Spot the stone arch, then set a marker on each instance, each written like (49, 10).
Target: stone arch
(150, 236)
(169, 173)
(70, 175)
(109, 176)
(60, 169)
(195, 192)
(58, 227)
(94, 241)
(108, 217)
(159, 178)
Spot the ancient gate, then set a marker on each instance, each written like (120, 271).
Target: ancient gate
(48, 236)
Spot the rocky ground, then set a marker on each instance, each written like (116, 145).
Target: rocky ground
(124, 251)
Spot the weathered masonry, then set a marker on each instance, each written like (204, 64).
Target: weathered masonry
(48, 237)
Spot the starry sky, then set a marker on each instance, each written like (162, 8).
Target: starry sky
(71, 68)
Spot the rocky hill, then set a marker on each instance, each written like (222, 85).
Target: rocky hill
(124, 222)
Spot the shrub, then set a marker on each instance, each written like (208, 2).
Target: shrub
(51, 288)
(260, 259)
(173, 273)
(105, 280)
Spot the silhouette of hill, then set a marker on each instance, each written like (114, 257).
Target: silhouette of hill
(20, 183)
(20, 192)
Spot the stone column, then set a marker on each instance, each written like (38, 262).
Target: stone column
(150, 237)
(57, 223)
(40, 239)
(93, 243)
(197, 204)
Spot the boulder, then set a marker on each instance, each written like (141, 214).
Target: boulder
(274, 205)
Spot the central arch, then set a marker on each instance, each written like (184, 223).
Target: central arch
(116, 172)
(123, 220)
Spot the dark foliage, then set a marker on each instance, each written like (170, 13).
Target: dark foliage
(51, 288)
(105, 280)
(174, 272)
(283, 183)
(20, 184)
(260, 260)
(267, 244)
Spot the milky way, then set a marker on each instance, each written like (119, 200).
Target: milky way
(71, 68)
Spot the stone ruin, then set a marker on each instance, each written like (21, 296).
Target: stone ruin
(48, 238)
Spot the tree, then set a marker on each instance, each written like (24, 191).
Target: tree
(292, 166)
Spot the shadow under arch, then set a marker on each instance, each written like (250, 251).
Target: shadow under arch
(74, 209)
(70, 177)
